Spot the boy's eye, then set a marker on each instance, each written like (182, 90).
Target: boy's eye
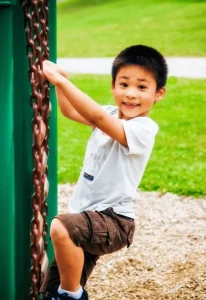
(123, 84)
(142, 87)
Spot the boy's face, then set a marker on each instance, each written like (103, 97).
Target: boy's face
(135, 91)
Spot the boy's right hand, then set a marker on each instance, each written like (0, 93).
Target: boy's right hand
(52, 72)
(57, 68)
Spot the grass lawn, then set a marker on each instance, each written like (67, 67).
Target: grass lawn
(99, 28)
(178, 161)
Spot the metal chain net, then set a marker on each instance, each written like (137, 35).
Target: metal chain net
(36, 27)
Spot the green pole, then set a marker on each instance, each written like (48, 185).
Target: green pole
(7, 212)
(52, 160)
(23, 149)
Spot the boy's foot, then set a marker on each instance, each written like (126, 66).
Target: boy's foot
(58, 296)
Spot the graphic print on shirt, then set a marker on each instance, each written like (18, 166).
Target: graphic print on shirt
(94, 162)
(96, 154)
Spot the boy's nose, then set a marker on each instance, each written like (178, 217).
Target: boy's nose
(131, 93)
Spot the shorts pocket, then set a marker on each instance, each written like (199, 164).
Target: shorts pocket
(127, 228)
(98, 227)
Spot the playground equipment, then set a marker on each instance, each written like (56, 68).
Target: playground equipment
(26, 124)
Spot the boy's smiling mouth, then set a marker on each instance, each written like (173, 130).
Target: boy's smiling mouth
(130, 105)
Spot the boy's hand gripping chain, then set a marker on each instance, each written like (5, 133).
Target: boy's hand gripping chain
(36, 26)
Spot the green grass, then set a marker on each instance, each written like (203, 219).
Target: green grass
(98, 28)
(178, 161)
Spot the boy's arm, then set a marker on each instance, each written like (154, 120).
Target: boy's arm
(85, 106)
(92, 111)
(67, 109)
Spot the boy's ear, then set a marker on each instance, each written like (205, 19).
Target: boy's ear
(160, 94)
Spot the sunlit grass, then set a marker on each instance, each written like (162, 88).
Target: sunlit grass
(97, 28)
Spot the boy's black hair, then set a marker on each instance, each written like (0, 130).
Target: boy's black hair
(144, 56)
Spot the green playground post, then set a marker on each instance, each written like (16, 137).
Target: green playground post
(7, 202)
(16, 160)
(52, 197)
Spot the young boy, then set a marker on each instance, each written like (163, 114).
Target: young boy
(101, 217)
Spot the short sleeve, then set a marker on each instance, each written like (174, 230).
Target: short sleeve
(110, 109)
(140, 133)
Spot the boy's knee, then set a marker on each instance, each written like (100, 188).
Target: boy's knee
(57, 231)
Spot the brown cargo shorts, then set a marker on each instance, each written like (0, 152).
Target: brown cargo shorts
(98, 233)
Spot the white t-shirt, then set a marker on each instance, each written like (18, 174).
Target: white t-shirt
(112, 172)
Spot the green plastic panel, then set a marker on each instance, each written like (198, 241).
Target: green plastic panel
(23, 159)
(7, 209)
(16, 161)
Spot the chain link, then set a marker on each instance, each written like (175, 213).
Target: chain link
(36, 27)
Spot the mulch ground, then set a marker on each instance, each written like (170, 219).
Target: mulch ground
(167, 259)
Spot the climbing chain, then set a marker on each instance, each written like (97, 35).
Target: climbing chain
(36, 27)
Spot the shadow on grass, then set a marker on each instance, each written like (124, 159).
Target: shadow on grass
(77, 5)
(86, 3)
(74, 4)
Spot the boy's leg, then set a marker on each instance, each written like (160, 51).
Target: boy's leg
(97, 233)
(51, 281)
(69, 257)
